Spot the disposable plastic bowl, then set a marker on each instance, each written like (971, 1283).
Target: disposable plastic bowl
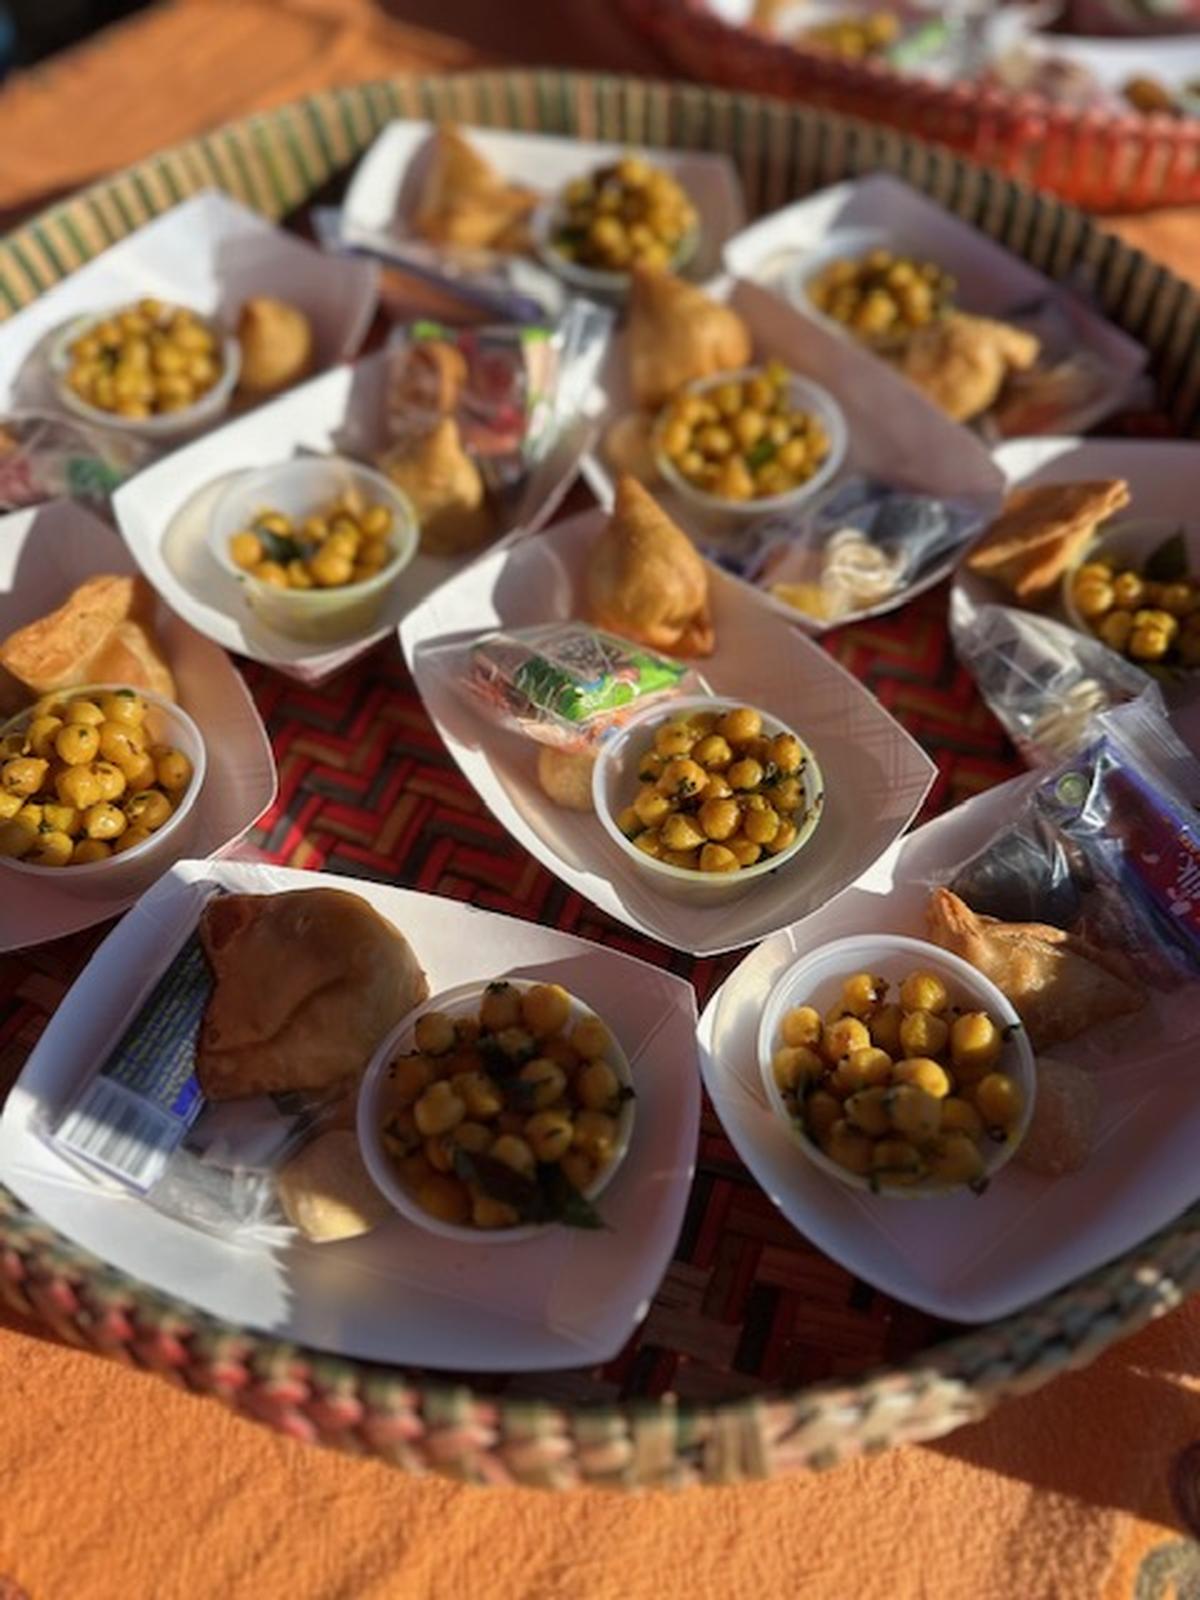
(804, 395)
(816, 979)
(615, 782)
(300, 489)
(596, 282)
(464, 1001)
(132, 870)
(1129, 543)
(167, 425)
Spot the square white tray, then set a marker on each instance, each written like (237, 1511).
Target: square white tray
(163, 512)
(46, 552)
(969, 1258)
(209, 253)
(382, 191)
(397, 1294)
(875, 774)
(993, 281)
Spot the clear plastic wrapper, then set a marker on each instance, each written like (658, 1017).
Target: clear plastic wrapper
(562, 684)
(48, 457)
(143, 1122)
(1043, 681)
(511, 388)
(1105, 845)
(861, 544)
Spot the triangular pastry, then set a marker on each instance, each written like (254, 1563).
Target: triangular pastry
(1040, 531)
(646, 580)
(961, 362)
(446, 490)
(463, 200)
(677, 334)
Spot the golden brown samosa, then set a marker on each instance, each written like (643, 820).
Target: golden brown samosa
(1058, 983)
(961, 362)
(276, 341)
(306, 985)
(646, 580)
(677, 334)
(446, 490)
(463, 200)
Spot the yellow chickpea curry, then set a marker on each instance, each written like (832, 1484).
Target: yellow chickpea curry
(505, 1117)
(83, 781)
(743, 439)
(144, 361)
(900, 1093)
(1147, 621)
(629, 214)
(882, 297)
(345, 543)
(717, 794)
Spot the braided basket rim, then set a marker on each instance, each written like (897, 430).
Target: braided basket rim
(274, 161)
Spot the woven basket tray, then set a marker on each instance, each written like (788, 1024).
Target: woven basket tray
(728, 1407)
(1099, 160)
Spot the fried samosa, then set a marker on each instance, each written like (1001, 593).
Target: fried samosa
(102, 633)
(276, 342)
(1058, 983)
(961, 362)
(677, 334)
(306, 984)
(464, 201)
(646, 580)
(446, 490)
(1040, 531)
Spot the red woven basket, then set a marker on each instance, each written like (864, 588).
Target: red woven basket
(1093, 159)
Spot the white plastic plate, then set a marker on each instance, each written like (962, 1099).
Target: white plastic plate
(209, 253)
(875, 775)
(382, 192)
(163, 513)
(44, 554)
(965, 1257)
(398, 1294)
(992, 281)
(909, 446)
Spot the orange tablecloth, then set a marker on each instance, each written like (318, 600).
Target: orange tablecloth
(113, 1484)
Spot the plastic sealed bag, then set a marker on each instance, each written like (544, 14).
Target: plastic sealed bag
(1105, 845)
(1043, 681)
(862, 543)
(563, 684)
(48, 457)
(511, 388)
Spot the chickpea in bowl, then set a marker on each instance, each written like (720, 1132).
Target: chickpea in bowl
(497, 1111)
(97, 782)
(149, 367)
(898, 1068)
(882, 295)
(1134, 590)
(749, 442)
(627, 214)
(709, 797)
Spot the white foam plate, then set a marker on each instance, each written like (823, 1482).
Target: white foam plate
(398, 1294)
(45, 553)
(992, 281)
(911, 447)
(209, 253)
(875, 775)
(1162, 475)
(163, 513)
(965, 1257)
(382, 192)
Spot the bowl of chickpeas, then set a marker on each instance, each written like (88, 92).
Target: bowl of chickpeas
(315, 543)
(496, 1111)
(629, 213)
(897, 1067)
(751, 442)
(708, 798)
(153, 369)
(872, 285)
(98, 788)
(1121, 591)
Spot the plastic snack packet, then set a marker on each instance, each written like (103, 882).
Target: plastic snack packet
(562, 684)
(47, 457)
(510, 387)
(1043, 681)
(861, 544)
